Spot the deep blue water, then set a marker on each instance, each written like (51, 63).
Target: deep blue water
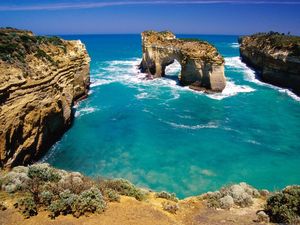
(166, 137)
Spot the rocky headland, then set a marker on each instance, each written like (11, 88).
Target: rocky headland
(202, 66)
(275, 56)
(41, 79)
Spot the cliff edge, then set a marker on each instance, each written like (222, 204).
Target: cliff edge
(202, 67)
(275, 56)
(41, 78)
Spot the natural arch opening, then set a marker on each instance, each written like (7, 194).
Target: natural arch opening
(172, 71)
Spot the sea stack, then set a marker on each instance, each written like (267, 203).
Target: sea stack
(202, 66)
(41, 79)
(275, 56)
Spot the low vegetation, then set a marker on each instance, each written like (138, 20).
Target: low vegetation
(40, 187)
(15, 45)
(278, 41)
(240, 195)
(284, 206)
(123, 187)
(166, 195)
(61, 193)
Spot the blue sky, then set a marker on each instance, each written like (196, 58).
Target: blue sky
(134, 16)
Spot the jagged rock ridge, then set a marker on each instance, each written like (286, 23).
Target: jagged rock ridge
(202, 67)
(275, 56)
(41, 78)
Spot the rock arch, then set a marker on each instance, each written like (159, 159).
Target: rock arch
(202, 67)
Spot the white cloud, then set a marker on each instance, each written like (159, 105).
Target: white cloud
(88, 5)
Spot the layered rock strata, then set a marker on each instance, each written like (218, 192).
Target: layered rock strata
(202, 67)
(275, 56)
(41, 79)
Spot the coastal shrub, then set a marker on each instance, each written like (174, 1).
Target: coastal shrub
(46, 198)
(170, 207)
(16, 44)
(40, 174)
(89, 201)
(112, 195)
(124, 187)
(75, 182)
(226, 202)
(166, 195)
(27, 207)
(284, 206)
(242, 195)
(64, 205)
(213, 199)
(14, 181)
(43, 172)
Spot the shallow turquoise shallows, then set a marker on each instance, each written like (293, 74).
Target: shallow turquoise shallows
(166, 137)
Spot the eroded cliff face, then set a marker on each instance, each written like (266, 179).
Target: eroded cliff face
(275, 56)
(40, 80)
(202, 67)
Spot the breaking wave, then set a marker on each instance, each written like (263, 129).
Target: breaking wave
(193, 127)
(84, 111)
(127, 72)
(236, 64)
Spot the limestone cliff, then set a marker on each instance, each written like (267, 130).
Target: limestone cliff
(202, 67)
(41, 78)
(275, 56)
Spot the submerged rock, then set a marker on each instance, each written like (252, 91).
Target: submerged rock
(202, 67)
(275, 56)
(41, 78)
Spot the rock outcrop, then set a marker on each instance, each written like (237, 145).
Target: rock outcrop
(202, 67)
(41, 79)
(275, 56)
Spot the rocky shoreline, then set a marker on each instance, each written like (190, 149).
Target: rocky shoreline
(275, 56)
(41, 79)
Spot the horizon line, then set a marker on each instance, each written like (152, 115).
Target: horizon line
(90, 5)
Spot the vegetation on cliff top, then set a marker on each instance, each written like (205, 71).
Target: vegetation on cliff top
(16, 44)
(42, 188)
(277, 41)
(61, 193)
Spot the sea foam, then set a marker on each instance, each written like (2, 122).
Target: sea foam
(127, 72)
(237, 64)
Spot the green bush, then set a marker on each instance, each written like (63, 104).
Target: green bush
(242, 195)
(64, 205)
(44, 173)
(112, 195)
(89, 201)
(46, 198)
(166, 195)
(14, 181)
(284, 206)
(124, 187)
(27, 207)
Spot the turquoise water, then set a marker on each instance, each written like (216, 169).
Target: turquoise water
(166, 137)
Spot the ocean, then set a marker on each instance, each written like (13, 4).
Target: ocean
(162, 136)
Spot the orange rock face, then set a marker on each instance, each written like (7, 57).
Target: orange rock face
(202, 67)
(40, 80)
